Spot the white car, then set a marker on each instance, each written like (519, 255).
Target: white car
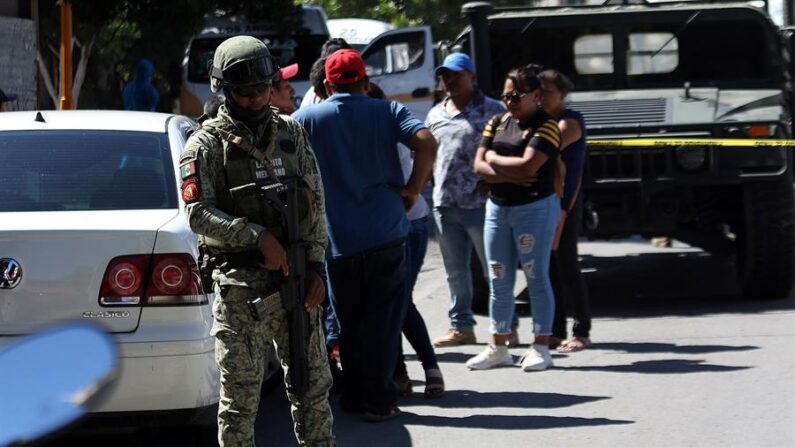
(92, 226)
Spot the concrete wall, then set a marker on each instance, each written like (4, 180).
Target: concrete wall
(18, 61)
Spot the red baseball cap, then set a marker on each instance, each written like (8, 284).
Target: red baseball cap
(345, 67)
(288, 72)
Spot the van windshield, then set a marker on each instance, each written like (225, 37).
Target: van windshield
(303, 50)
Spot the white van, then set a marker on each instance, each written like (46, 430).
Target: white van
(358, 32)
(302, 48)
(401, 61)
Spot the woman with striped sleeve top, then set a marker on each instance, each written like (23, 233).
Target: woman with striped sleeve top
(519, 157)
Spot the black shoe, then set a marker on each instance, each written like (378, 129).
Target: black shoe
(371, 416)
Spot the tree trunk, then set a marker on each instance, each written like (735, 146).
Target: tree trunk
(80, 74)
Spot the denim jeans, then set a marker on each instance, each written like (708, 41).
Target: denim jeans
(460, 229)
(523, 235)
(414, 325)
(369, 295)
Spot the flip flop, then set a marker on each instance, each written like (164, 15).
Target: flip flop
(575, 344)
(434, 383)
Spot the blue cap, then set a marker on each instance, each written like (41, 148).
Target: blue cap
(456, 62)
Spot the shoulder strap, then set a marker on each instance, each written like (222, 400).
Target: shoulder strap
(247, 147)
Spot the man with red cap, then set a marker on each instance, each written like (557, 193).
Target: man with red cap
(354, 138)
(282, 92)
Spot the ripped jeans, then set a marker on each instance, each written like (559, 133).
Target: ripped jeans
(520, 235)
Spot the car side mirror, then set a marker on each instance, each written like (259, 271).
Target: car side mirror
(53, 378)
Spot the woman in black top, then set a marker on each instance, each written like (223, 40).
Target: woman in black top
(519, 157)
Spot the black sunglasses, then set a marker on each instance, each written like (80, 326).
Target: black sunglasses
(247, 72)
(513, 97)
(252, 91)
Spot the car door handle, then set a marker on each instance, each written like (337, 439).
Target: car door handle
(421, 92)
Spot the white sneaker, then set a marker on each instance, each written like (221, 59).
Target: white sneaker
(537, 358)
(490, 357)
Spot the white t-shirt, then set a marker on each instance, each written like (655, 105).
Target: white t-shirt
(309, 98)
(420, 208)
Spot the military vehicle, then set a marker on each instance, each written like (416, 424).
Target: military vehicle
(688, 107)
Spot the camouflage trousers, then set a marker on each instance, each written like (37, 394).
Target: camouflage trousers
(242, 348)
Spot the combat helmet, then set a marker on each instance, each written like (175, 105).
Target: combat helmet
(242, 61)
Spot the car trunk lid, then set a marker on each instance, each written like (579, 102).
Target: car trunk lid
(62, 258)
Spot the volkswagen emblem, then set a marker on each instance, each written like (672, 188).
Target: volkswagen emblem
(10, 273)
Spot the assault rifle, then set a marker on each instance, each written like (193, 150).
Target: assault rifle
(283, 196)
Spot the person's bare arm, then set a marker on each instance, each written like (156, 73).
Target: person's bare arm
(486, 171)
(570, 132)
(518, 167)
(424, 146)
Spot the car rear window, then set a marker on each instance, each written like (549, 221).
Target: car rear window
(85, 170)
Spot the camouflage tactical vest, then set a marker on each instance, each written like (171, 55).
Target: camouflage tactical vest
(249, 167)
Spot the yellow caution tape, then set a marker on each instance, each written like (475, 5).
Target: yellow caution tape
(723, 142)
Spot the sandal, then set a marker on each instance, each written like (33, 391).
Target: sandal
(574, 344)
(434, 383)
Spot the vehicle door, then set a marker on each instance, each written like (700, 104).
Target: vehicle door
(788, 35)
(401, 62)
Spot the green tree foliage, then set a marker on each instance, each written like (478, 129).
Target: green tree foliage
(444, 16)
(124, 31)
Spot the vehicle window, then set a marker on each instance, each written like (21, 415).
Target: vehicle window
(80, 171)
(303, 50)
(652, 53)
(742, 51)
(593, 54)
(395, 54)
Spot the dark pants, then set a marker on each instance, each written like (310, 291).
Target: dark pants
(369, 295)
(331, 327)
(568, 283)
(414, 325)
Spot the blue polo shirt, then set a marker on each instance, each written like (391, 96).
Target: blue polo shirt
(354, 138)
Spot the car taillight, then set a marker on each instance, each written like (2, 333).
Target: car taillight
(124, 281)
(174, 280)
(159, 280)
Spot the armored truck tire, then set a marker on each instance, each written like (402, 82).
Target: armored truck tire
(766, 239)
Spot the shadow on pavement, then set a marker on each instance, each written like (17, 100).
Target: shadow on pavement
(673, 366)
(504, 422)
(393, 433)
(648, 348)
(274, 426)
(508, 399)
(445, 357)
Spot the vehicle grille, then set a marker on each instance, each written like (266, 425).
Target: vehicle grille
(622, 111)
(618, 165)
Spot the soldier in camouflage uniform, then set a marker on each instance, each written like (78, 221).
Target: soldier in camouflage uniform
(225, 162)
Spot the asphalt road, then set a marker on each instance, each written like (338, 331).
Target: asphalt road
(679, 359)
